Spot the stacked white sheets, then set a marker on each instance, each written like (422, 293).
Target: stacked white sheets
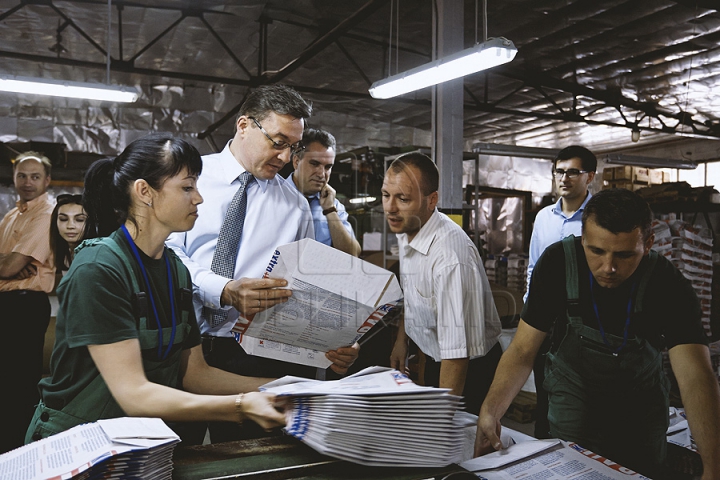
(376, 417)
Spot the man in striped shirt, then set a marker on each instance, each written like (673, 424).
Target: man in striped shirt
(449, 309)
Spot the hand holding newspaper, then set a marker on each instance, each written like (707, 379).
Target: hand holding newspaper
(336, 299)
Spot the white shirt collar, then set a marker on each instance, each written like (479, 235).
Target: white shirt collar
(425, 237)
(231, 168)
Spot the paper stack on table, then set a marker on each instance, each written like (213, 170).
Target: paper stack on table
(376, 417)
(116, 448)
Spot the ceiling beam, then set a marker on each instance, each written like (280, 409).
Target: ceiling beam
(382, 43)
(126, 67)
(330, 37)
(224, 45)
(537, 79)
(698, 130)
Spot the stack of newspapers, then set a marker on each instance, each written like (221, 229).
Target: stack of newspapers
(376, 417)
(116, 448)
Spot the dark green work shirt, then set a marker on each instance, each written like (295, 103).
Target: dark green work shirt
(98, 307)
(671, 311)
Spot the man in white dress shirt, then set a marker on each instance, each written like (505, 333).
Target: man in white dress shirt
(269, 129)
(449, 310)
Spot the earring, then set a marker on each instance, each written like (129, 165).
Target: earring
(149, 204)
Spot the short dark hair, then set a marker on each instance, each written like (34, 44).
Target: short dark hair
(154, 158)
(322, 137)
(619, 211)
(277, 98)
(430, 176)
(587, 158)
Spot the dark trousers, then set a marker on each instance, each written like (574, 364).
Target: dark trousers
(542, 425)
(24, 316)
(226, 354)
(480, 375)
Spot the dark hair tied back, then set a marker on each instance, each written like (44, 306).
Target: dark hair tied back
(153, 158)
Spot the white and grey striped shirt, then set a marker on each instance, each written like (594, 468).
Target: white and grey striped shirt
(449, 308)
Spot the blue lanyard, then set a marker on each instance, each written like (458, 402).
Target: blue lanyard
(597, 316)
(152, 299)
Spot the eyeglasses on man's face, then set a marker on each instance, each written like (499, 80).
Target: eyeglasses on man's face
(294, 149)
(570, 172)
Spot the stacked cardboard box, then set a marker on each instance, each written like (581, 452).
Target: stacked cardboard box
(517, 271)
(633, 178)
(689, 248)
(496, 269)
(522, 408)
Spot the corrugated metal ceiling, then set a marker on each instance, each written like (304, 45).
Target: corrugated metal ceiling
(586, 70)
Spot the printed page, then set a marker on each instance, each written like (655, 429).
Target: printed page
(389, 382)
(336, 271)
(508, 455)
(312, 318)
(562, 462)
(336, 299)
(138, 431)
(76, 450)
(61, 455)
(284, 352)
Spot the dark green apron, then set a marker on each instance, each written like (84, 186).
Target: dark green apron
(95, 401)
(615, 404)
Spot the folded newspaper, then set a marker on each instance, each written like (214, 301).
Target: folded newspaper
(336, 299)
(116, 448)
(376, 417)
(550, 460)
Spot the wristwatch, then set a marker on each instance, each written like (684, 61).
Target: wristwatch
(330, 210)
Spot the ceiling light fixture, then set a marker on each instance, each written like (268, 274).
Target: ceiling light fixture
(515, 151)
(482, 56)
(362, 198)
(70, 89)
(58, 88)
(651, 162)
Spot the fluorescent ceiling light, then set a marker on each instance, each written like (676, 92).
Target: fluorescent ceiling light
(651, 162)
(515, 151)
(482, 56)
(58, 88)
(362, 199)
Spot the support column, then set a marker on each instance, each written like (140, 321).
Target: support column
(447, 109)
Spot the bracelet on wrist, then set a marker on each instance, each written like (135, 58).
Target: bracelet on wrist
(330, 210)
(238, 408)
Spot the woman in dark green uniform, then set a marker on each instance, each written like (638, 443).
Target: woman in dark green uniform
(127, 342)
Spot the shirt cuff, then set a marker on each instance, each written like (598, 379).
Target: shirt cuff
(211, 289)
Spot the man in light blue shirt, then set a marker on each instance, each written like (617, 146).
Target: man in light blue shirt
(268, 130)
(313, 166)
(573, 171)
